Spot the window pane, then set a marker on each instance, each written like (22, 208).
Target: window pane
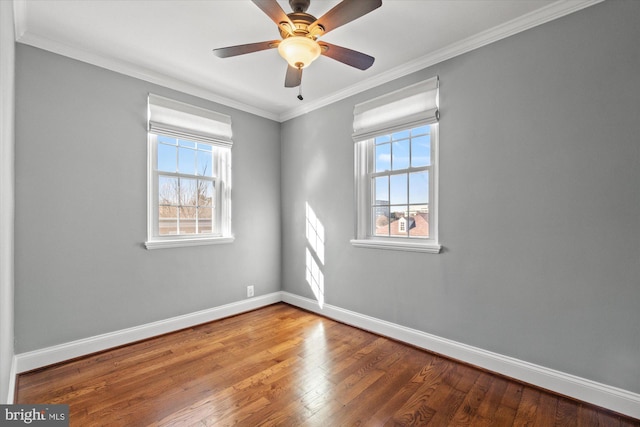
(419, 187)
(384, 138)
(205, 193)
(188, 192)
(167, 140)
(381, 221)
(185, 143)
(167, 190)
(398, 184)
(400, 135)
(167, 220)
(383, 158)
(421, 151)
(420, 226)
(205, 216)
(205, 160)
(381, 191)
(422, 130)
(187, 220)
(400, 156)
(187, 161)
(167, 158)
(398, 221)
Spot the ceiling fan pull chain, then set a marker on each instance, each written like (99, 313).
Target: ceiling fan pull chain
(300, 85)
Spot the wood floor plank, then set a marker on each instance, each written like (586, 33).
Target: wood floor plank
(447, 404)
(526, 412)
(566, 413)
(508, 407)
(428, 399)
(485, 413)
(547, 409)
(282, 366)
(474, 397)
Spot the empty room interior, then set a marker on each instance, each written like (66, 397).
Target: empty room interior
(458, 178)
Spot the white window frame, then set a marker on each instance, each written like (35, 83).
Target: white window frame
(189, 123)
(364, 170)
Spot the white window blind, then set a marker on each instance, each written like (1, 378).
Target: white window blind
(408, 107)
(174, 118)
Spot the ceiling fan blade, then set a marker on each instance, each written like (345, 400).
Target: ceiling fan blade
(275, 12)
(345, 12)
(225, 52)
(293, 77)
(350, 57)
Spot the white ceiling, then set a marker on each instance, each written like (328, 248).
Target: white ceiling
(170, 42)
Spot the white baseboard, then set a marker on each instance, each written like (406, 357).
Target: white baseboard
(615, 399)
(59, 353)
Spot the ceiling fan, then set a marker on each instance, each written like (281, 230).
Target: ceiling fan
(300, 32)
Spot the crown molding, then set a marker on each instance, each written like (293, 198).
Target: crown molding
(532, 19)
(123, 67)
(543, 15)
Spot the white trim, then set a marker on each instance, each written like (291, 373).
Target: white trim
(82, 347)
(179, 243)
(538, 17)
(7, 197)
(363, 164)
(613, 398)
(408, 245)
(221, 232)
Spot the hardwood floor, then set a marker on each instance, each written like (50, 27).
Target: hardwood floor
(287, 367)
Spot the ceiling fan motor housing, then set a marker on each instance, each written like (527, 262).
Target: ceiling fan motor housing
(301, 22)
(299, 5)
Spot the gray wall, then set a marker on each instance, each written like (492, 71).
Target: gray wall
(539, 202)
(81, 268)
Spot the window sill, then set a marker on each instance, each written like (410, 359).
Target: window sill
(395, 245)
(179, 243)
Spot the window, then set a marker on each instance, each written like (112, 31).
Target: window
(189, 175)
(396, 141)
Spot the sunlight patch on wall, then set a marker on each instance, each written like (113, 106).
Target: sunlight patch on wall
(315, 254)
(315, 278)
(315, 233)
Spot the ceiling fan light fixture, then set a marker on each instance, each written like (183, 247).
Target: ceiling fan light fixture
(299, 51)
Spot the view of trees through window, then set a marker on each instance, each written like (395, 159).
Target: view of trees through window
(186, 187)
(400, 183)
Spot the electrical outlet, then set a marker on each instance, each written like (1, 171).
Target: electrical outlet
(249, 291)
